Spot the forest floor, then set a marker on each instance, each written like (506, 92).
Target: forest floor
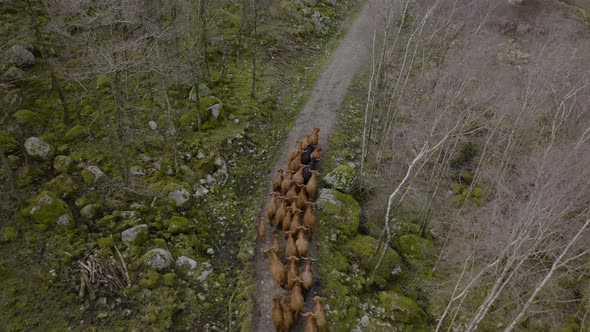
(320, 111)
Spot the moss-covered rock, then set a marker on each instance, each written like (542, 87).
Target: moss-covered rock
(136, 235)
(92, 174)
(169, 279)
(48, 209)
(343, 178)
(27, 118)
(62, 163)
(340, 213)
(89, 211)
(75, 132)
(158, 258)
(179, 196)
(186, 265)
(361, 250)
(8, 234)
(151, 280)
(63, 185)
(180, 224)
(416, 248)
(8, 143)
(398, 308)
(105, 242)
(37, 148)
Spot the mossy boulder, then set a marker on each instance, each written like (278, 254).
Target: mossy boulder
(21, 57)
(48, 209)
(398, 308)
(62, 163)
(339, 212)
(92, 174)
(180, 224)
(361, 249)
(63, 185)
(136, 235)
(186, 265)
(158, 258)
(416, 248)
(14, 74)
(343, 178)
(8, 143)
(179, 196)
(89, 211)
(75, 133)
(37, 148)
(27, 118)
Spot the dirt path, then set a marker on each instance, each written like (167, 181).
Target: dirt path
(320, 111)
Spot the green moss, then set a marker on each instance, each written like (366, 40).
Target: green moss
(180, 224)
(48, 209)
(361, 250)
(63, 186)
(399, 308)
(62, 163)
(75, 132)
(103, 81)
(8, 234)
(457, 188)
(339, 212)
(343, 178)
(8, 143)
(416, 248)
(169, 279)
(151, 280)
(105, 242)
(27, 118)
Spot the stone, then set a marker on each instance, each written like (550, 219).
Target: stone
(180, 196)
(48, 209)
(75, 133)
(14, 74)
(22, 57)
(360, 249)
(27, 118)
(204, 91)
(153, 125)
(343, 178)
(398, 308)
(186, 265)
(158, 258)
(215, 110)
(365, 321)
(416, 248)
(91, 174)
(37, 148)
(88, 211)
(136, 235)
(201, 191)
(137, 171)
(62, 163)
(180, 224)
(63, 185)
(339, 212)
(8, 143)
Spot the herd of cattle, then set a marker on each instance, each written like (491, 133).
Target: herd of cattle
(290, 210)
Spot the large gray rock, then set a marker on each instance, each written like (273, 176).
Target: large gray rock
(158, 258)
(180, 196)
(135, 235)
(343, 178)
(22, 57)
(37, 148)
